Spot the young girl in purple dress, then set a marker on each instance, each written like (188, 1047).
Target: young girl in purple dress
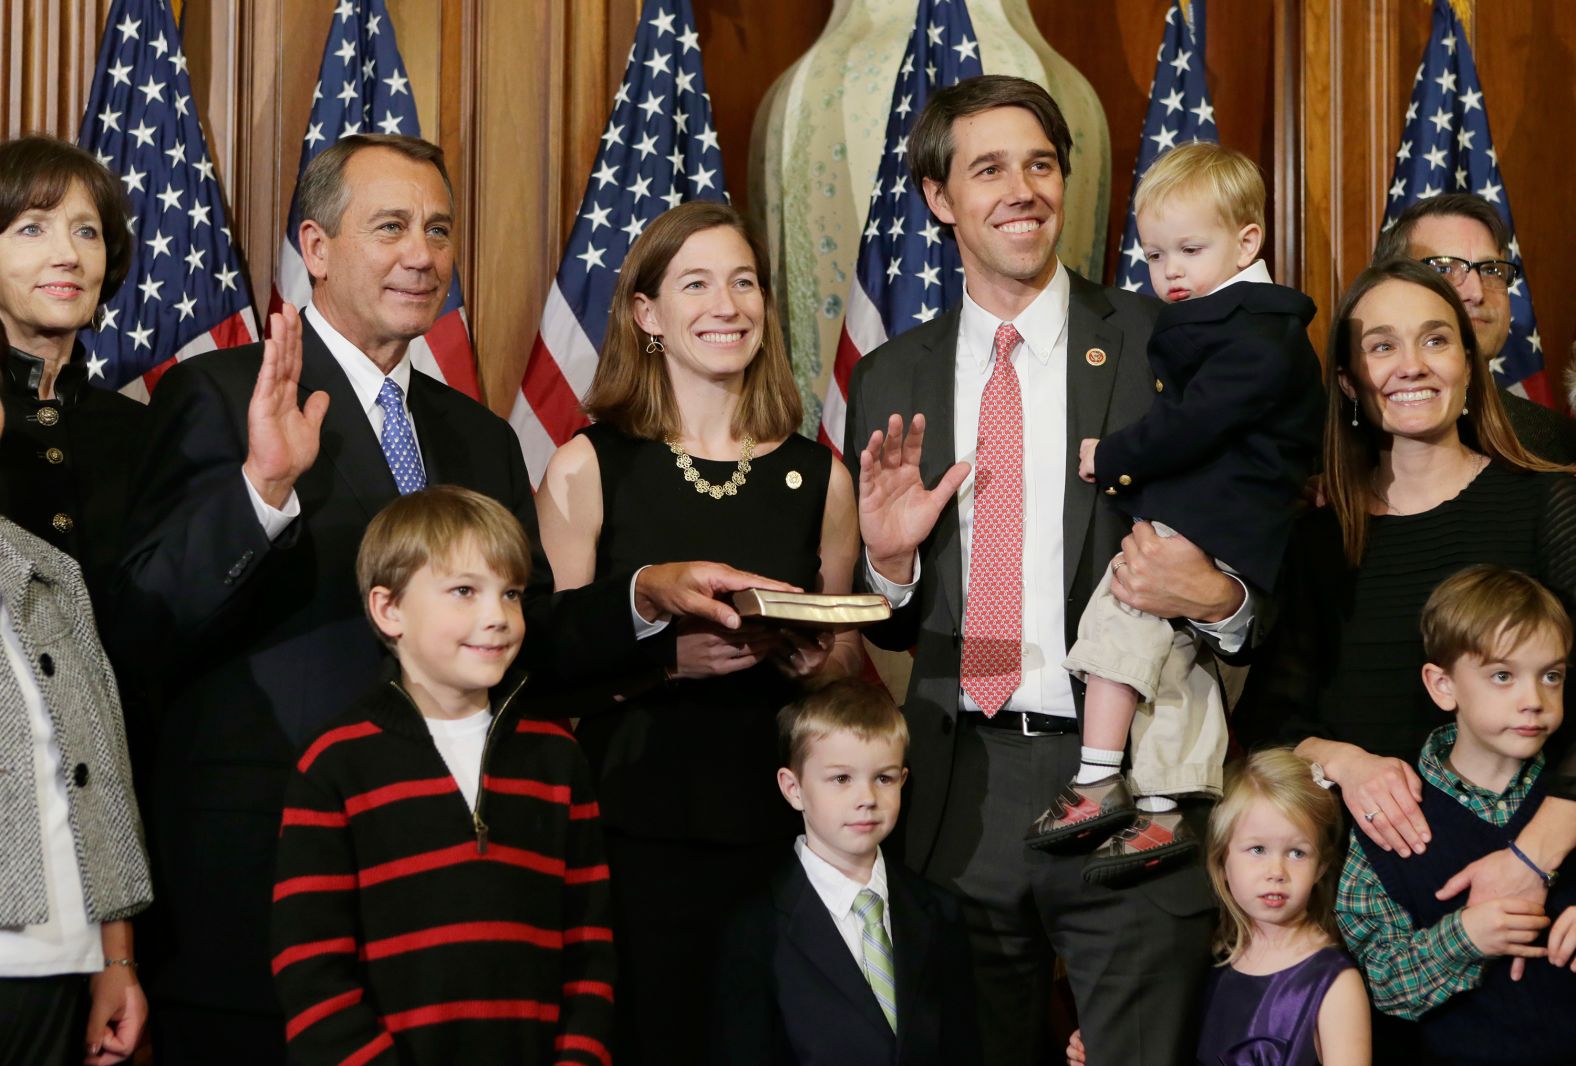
(1285, 993)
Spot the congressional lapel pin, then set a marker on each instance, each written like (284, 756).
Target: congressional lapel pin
(794, 479)
(1095, 357)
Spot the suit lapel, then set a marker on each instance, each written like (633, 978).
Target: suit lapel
(347, 439)
(910, 950)
(810, 929)
(1090, 381)
(934, 394)
(440, 453)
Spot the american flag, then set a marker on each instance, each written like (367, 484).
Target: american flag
(908, 270)
(1179, 112)
(658, 151)
(185, 293)
(362, 88)
(1446, 147)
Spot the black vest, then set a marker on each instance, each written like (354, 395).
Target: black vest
(1531, 1022)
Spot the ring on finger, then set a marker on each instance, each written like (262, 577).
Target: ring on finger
(1369, 816)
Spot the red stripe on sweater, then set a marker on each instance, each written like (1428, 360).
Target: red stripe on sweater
(579, 812)
(471, 1010)
(316, 883)
(371, 1050)
(460, 933)
(588, 988)
(458, 853)
(523, 786)
(583, 933)
(402, 790)
(571, 1042)
(583, 874)
(340, 945)
(319, 1011)
(530, 725)
(323, 819)
(332, 737)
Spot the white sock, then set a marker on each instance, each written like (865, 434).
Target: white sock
(1156, 804)
(1095, 763)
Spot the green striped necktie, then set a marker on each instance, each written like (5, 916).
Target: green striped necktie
(878, 953)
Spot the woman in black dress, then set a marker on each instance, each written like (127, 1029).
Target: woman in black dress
(65, 460)
(694, 455)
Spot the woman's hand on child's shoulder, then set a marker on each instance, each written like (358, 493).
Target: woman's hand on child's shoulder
(1075, 1049)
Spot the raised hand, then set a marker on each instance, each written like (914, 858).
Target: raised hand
(896, 511)
(281, 438)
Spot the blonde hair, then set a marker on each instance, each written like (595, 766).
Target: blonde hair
(630, 390)
(1230, 179)
(1351, 453)
(1485, 610)
(848, 705)
(1284, 780)
(426, 527)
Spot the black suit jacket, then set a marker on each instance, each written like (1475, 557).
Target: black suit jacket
(789, 993)
(1234, 429)
(248, 646)
(1543, 432)
(914, 373)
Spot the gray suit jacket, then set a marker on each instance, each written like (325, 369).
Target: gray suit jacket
(42, 587)
(914, 373)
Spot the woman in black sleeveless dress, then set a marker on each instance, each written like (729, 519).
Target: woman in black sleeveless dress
(694, 456)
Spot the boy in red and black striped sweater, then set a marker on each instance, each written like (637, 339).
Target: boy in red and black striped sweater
(442, 894)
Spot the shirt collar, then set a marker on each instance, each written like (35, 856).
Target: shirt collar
(366, 379)
(1041, 324)
(836, 889)
(1255, 271)
(24, 373)
(1435, 768)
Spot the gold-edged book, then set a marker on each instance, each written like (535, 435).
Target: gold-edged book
(812, 609)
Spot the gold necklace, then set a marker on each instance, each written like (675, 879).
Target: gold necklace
(730, 487)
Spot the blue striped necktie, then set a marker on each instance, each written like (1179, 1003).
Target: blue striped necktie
(878, 953)
(399, 443)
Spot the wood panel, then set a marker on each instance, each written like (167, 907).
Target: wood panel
(47, 53)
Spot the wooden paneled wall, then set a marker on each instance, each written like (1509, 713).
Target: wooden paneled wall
(517, 92)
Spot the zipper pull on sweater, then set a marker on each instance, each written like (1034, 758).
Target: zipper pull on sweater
(481, 832)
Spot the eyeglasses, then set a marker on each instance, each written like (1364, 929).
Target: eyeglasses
(1496, 273)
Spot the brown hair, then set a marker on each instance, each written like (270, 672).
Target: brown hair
(1396, 241)
(1284, 780)
(321, 191)
(1485, 610)
(847, 705)
(36, 173)
(930, 142)
(426, 527)
(1229, 179)
(631, 390)
(1351, 453)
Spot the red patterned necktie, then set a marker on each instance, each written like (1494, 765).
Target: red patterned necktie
(993, 614)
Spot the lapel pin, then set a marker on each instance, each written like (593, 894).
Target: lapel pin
(794, 479)
(1095, 357)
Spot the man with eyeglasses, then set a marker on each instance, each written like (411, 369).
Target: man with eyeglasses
(1462, 236)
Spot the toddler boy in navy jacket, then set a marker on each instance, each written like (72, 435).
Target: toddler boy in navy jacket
(1220, 458)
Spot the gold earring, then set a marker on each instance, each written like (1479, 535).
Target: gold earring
(654, 346)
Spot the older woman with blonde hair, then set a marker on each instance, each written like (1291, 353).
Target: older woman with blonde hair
(695, 455)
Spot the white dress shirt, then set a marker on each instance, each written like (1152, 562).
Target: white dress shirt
(67, 942)
(838, 891)
(1041, 363)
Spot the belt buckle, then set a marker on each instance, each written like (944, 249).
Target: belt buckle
(1023, 725)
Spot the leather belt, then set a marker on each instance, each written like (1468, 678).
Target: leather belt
(1028, 723)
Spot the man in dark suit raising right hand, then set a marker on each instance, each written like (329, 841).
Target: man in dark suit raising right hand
(238, 594)
(988, 577)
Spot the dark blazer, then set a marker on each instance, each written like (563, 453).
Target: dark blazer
(1234, 430)
(1542, 431)
(914, 373)
(789, 993)
(249, 646)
